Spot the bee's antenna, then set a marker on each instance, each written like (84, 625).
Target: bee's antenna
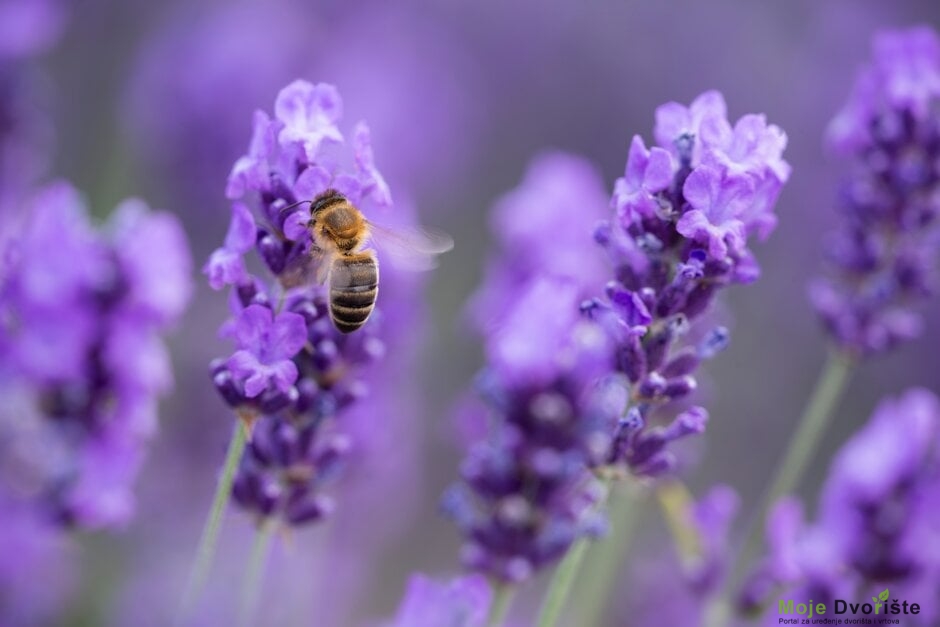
(298, 203)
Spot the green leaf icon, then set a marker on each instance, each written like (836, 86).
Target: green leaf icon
(875, 599)
(884, 595)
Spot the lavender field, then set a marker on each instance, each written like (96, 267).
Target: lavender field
(437, 314)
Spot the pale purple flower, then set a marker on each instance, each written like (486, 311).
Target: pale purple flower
(674, 120)
(526, 492)
(266, 344)
(102, 495)
(875, 506)
(880, 265)
(750, 146)
(284, 165)
(83, 311)
(158, 283)
(253, 170)
(310, 114)
(305, 132)
(57, 262)
(544, 334)
(715, 209)
(461, 602)
(226, 266)
(748, 161)
(292, 371)
(372, 180)
(543, 227)
(904, 75)
(876, 521)
(647, 172)
(686, 211)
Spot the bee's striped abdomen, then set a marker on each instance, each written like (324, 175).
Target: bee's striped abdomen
(354, 285)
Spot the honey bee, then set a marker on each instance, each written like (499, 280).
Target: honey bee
(340, 232)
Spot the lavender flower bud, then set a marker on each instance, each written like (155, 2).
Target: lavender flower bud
(684, 362)
(271, 252)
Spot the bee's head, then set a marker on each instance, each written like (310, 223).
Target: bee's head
(327, 199)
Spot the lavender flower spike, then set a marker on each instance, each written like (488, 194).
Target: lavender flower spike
(81, 318)
(877, 517)
(526, 492)
(881, 262)
(291, 370)
(685, 212)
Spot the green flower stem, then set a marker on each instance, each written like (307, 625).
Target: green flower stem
(210, 533)
(812, 425)
(676, 503)
(502, 599)
(567, 572)
(562, 581)
(829, 389)
(605, 557)
(254, 576)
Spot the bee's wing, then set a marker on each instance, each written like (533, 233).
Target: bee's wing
(312, 266)
(411, 248)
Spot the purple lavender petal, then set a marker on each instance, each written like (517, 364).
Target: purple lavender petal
(545, 227)
(226, 265)
(714, 219)
(310, 114)
(155, 262)
(674, 120)
(267, 343)
(373, 181)
(647, 172)
(251, 171)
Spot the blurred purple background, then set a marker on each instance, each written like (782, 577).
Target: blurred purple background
(155, 100)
